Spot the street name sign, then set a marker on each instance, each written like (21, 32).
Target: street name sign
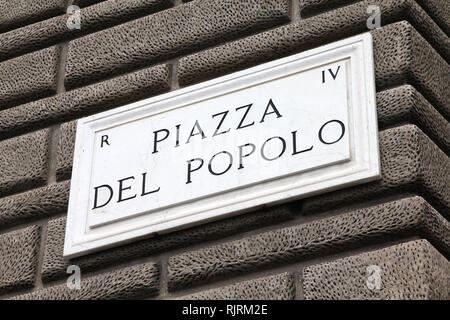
(283, 130)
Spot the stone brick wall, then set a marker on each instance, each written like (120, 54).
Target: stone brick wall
(316, 248)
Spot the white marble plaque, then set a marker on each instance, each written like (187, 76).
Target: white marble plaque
(280, 131)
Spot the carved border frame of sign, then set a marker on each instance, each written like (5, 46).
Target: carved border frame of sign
(364, 165)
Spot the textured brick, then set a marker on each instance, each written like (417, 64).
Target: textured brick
(19, 258)
(17, 13)
(439, 10)
(84, 101)
(410, 163)
(54, 265)
(133, 282)
(405, 104)
(320, 237)
(23, 162)
(66, 146)
(85, 3)
(164, 35)
(312, 32)
(34, 204)
(100, 16)
(28, 77)
(413, 270)
(401, 54)
(277, 287)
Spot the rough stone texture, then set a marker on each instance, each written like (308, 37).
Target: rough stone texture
(28, 77)
(66, 146)
(401, 54)
(319, 30)
(23, 162)
(84, 101)
(413, 270)
(309, 8)
(439, 10)
(17, 13)
(405, 104)
(138, 281)
(320, 237)
(34, 204)
(85, 3)
(184, 28)
(410, 163)
(19, 258)
(277, 287)
(54, 265)
(100, 16)
(440, 13)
